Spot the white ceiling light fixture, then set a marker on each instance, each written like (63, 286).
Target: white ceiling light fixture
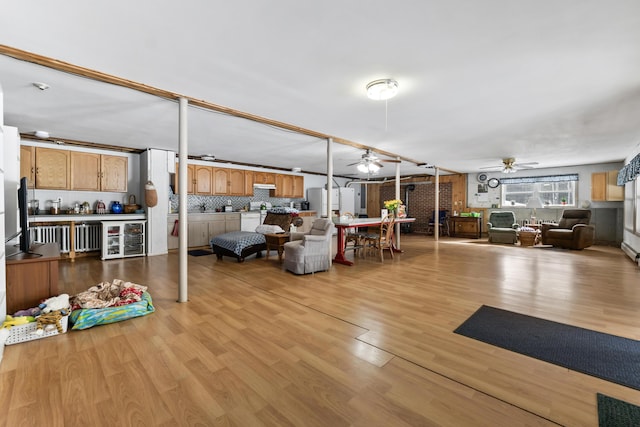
(368, 168)
(41, 134)
(382, 89)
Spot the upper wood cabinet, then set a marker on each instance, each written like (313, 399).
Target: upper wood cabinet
(289, 186)
(298, 187)
(248, 183)
(604, 187)
(28, 164)
(85, 171)
(114, 173)
(203, 180)
(98, 172)
(236, 182)
(52, 169)
(191, 181)
(264, 177)
(221, 181)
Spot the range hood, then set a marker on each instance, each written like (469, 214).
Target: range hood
(264, 186)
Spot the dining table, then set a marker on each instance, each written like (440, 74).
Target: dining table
(343, 224)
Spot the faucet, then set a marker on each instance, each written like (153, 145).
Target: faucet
(203, 207)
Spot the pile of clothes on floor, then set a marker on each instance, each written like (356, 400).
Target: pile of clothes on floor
(108, 303)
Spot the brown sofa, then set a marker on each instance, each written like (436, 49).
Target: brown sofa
(572, 232)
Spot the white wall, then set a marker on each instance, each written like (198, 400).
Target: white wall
(154, 165)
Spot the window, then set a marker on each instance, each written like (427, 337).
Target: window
(539, 191)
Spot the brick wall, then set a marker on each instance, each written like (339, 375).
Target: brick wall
(421, 202)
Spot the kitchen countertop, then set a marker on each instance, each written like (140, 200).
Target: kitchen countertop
(85, 217)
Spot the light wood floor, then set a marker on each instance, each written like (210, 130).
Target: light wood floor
(368, 345)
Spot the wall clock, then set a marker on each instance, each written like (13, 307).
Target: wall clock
(482, 177)
(493, 183)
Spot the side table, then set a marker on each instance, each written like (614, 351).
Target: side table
(276, 241)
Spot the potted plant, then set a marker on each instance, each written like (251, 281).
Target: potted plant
(563, 200)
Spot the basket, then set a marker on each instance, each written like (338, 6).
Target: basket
(131, 207)
(528, 238)
(26, 332)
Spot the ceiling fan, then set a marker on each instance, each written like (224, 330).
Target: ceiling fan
(509, 165)
(370, 163)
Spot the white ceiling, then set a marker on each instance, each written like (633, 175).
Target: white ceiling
(547, 81)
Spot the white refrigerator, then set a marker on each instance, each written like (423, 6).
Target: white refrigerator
(342, 200)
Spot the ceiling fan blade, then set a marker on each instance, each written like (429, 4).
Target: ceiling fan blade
(390, 160)
(353, 164)
(377, 163)
(492, 168)
(524, 165)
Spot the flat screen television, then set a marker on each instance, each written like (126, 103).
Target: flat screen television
(23, 208)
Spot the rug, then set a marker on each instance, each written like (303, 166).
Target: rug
(617, 413)
(199, 252)
(601, 355)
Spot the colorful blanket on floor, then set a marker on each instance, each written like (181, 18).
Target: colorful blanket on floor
(108, 303)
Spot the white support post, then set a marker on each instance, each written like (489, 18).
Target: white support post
(330, 186)
(436, 213)
(182, 215)
(397, 230)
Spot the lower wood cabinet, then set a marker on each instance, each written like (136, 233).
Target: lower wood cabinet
(203, 227)
(462, 226)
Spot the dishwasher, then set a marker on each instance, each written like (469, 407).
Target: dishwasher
(249, 220)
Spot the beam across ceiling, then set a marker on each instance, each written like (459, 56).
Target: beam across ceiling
(130, 84)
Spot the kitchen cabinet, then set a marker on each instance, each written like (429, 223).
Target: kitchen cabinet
(248, 183)
(190, 179)
(236, 182)
(53, 169)
(604, 187)
(221, 181)
(98, 172)
(203, 180)
(28, 164)
(203, 227)
(198, 234)
(113, 173)
(229, 182)
(264, 177)
(289, 186)
(122, 239)
(173, 242)
(298, 187)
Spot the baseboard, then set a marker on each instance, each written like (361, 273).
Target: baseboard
(631, 253)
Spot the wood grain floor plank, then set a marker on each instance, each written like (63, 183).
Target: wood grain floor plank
(368, 345)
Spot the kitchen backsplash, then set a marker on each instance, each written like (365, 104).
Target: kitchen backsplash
(195, 202)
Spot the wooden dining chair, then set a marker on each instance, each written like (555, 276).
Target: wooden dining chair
(382, 240)
(354, 237)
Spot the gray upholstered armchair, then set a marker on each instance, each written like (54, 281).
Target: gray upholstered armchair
(502, 227)
(310, 252)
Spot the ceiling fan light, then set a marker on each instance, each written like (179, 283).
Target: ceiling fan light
(382, 89)
(373, 168)
(363, 168)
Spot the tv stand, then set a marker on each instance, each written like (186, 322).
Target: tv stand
(32, 277)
